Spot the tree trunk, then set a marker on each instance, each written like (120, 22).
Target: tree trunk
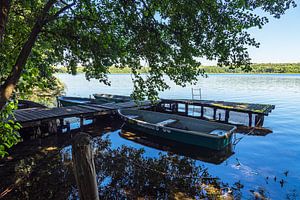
(4, 10)
(10, 83)
(84, 167)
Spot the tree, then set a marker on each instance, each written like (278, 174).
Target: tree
(168, 35)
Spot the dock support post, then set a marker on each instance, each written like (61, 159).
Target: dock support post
(250, 119)
(81, 122)
(259, 120)
(84, 167)
(186, 109)
(68, 127)
(202, 111)
(226, 116)
(215, 114)
(61, 125)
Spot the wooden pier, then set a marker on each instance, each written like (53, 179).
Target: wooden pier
(37, 117)
(221, 110)
(53, 120)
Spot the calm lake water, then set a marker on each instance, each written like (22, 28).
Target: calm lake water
(257, 160)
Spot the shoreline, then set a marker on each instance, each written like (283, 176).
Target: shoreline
(223, 73)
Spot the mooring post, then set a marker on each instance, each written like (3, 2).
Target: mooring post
(84, 167)
(202, 111)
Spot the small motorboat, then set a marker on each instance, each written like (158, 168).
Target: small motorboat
(112, 97)
(183, 129)
(73, 101)
(23, 104)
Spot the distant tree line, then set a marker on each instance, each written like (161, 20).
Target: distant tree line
(257, 68)
(292, 68)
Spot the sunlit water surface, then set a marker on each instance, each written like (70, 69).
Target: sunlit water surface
(257, 160)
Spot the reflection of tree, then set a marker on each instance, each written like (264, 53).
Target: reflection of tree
(122, 173)
(125, 172)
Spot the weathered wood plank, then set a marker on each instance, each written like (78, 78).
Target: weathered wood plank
(264, 109)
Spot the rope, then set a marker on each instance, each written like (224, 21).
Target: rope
(237, 140)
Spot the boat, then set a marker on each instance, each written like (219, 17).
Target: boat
(183, 129)
(73, 101)
(24, 104)
(112, 97)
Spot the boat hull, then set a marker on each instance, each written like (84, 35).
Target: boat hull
(180, 135)
(74, 101)
(111, 97)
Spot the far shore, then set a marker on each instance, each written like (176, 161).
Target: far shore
(271, 68)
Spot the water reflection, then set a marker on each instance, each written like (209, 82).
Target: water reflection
(126, 173)
(44, 171)
(194, 152)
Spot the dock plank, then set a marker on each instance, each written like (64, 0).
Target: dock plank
(264, 109)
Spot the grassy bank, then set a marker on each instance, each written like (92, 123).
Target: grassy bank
(284, 68)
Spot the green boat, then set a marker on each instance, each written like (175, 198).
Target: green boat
(73, 101)
(183, 129)
(112, 97)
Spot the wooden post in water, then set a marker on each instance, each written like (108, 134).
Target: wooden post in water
(259, 120)
(186, 109)
(61, 125)
(215, 113)
(250, 119)
(226, 116)
(84, 167)
(81, 123)
(202, 111)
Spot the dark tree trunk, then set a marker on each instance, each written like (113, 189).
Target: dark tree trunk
(4, 10)
(10, 83)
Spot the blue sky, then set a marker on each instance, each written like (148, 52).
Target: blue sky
(279, 40)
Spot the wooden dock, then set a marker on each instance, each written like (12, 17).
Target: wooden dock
(256, 110)
(37, 117)
(53, 120)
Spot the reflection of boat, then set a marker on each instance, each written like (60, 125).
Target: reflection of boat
(194, 152)
(180, 128)
(256, 131)
(72, 101)
(112, 97)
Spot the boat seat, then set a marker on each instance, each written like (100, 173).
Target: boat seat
(166, 122)
(132, 116)
(218, 132)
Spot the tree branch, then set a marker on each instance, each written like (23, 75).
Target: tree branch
(53, 17)
(4, 10)
(10, 83)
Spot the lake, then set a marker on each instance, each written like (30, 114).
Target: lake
(257, 160)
